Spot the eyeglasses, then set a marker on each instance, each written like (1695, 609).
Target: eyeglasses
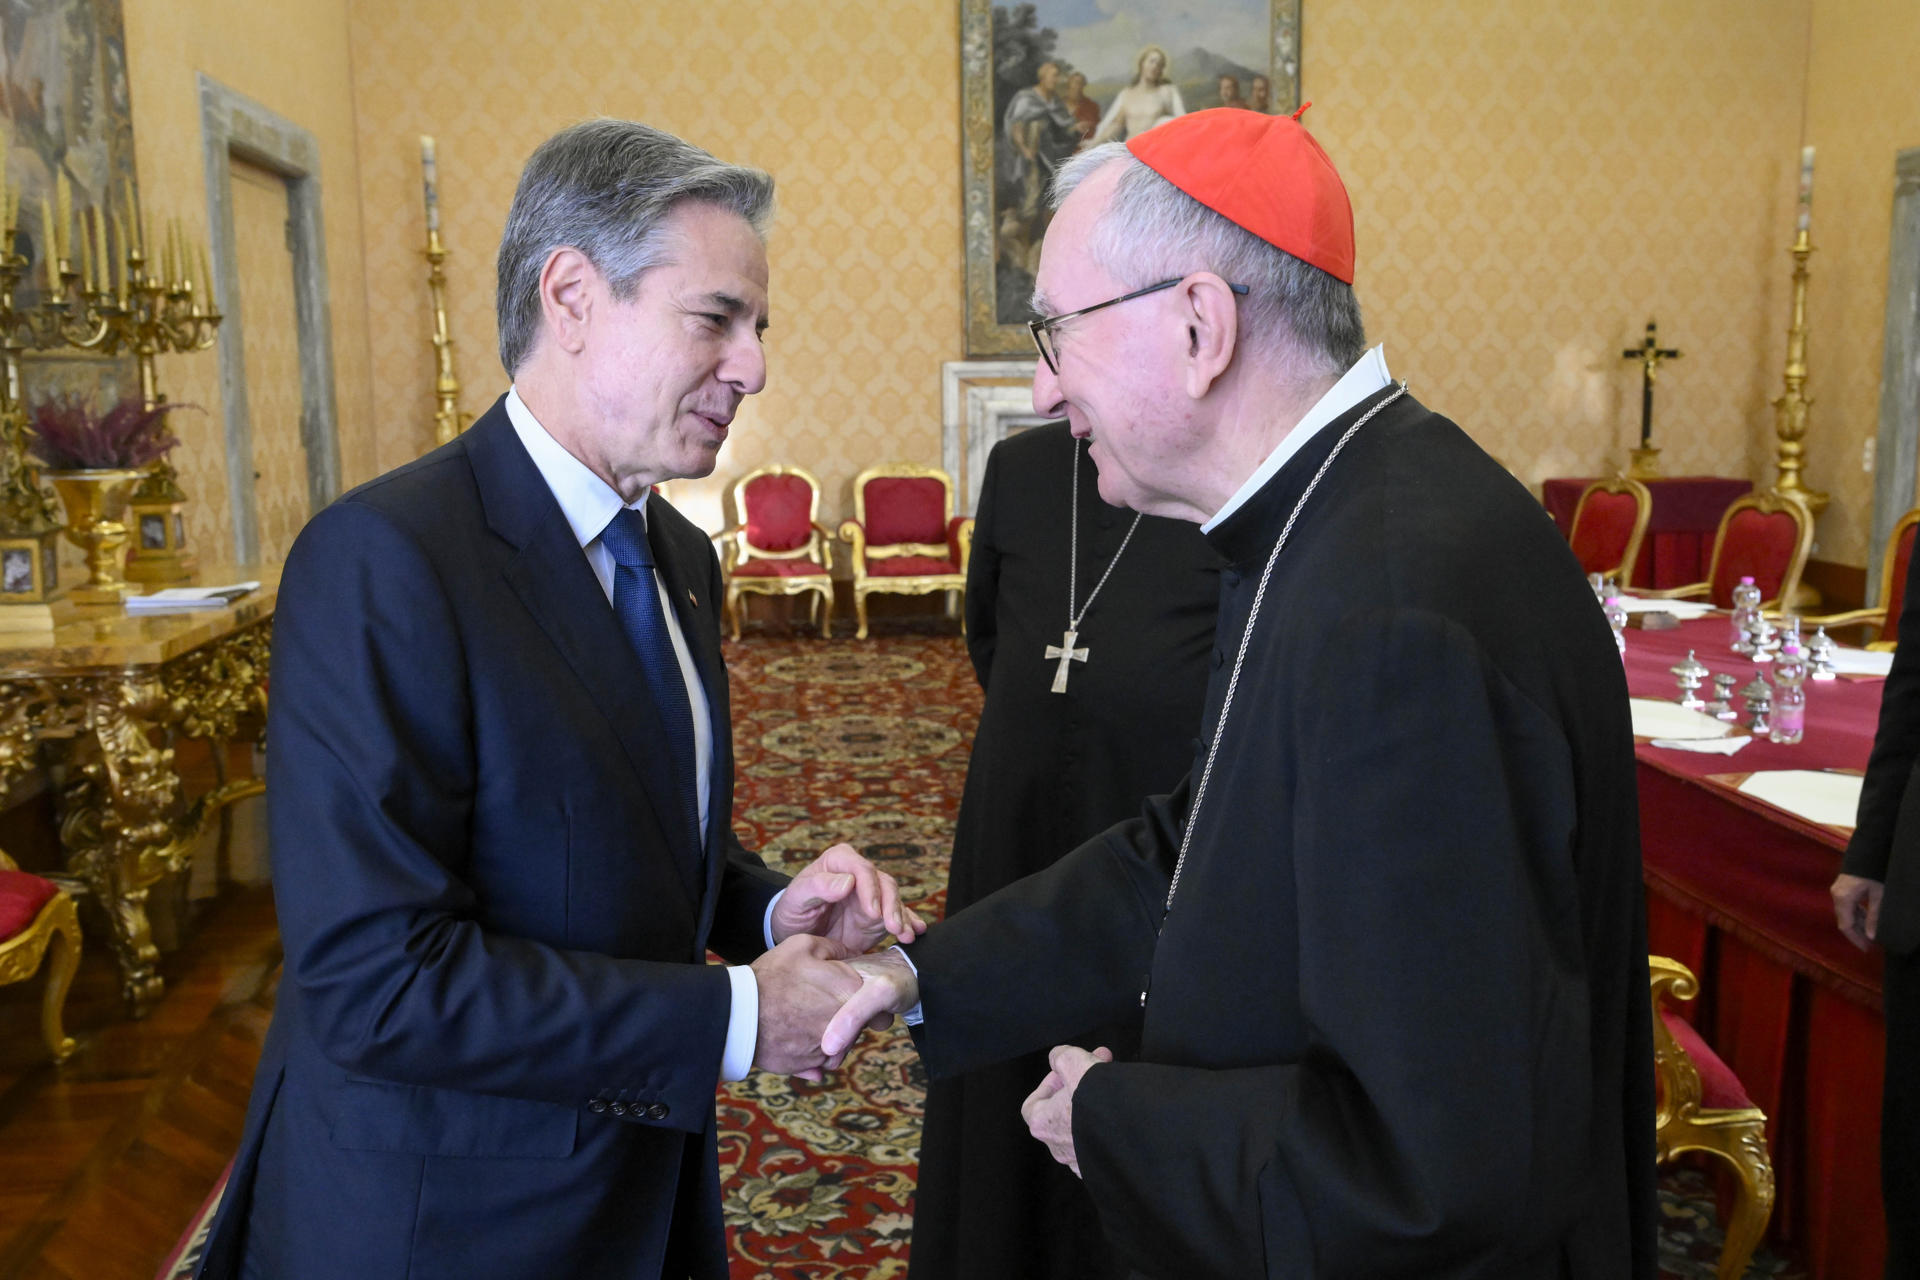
(1042, 329)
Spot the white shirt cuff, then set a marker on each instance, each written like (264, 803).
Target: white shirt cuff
(743, 1024)
(766, 921)
(916, 1015)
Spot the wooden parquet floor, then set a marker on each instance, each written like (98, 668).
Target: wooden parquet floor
(104, 1160)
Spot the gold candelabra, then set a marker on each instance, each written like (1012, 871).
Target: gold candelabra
(25, 508)
(1790, 410)
(448, 421)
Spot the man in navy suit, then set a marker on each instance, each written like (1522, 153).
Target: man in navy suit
(502, 775)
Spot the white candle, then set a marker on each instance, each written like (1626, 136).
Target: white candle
(1806, 187)
(430, 173)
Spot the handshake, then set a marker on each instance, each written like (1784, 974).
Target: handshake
(818, 987)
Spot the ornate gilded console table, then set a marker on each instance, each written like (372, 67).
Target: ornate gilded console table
(117, 689)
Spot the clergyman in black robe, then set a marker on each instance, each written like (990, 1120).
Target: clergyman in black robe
(1048, 772)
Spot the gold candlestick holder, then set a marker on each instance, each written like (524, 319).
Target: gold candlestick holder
(146, 315)
(1790, 410)
(29, 519)
(448, 421)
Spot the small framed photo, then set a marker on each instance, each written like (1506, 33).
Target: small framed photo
(153, 532)
(16, 571)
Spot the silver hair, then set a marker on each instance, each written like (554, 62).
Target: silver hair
(606, 187)
(1293, 312)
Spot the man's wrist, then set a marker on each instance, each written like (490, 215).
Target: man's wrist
(766, 921)
(915, 1016)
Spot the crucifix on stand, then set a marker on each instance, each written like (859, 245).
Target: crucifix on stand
(1646, 459)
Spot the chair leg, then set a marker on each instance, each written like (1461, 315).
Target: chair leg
(823, 609)
(860, 612)
(1752, 1205)
(63, 952)
(733, 609)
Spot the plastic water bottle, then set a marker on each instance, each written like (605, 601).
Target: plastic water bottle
(1746, 606)
(1790, 692)
(1617, 619)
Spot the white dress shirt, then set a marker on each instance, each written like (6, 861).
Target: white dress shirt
(589, 504)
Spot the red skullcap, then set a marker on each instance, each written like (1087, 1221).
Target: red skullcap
(1263, 173)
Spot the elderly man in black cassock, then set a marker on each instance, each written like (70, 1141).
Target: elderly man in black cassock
(1090, 628)
(1384, 948)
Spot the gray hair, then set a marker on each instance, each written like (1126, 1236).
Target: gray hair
(1295, 313)
(606, 187)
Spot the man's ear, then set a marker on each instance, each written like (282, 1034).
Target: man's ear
(1212, 323)
(566, 297)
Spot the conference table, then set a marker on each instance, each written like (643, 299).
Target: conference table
(1737, 891)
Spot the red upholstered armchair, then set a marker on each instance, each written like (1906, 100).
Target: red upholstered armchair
(1702, 1106)
(1763, 536)
(37, 918)
(1885, 616)
(905, 536)
(776, 545)
(1609, 524)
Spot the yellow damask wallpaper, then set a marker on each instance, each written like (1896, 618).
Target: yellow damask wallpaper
(1532, 180)
(1862, 111)
(853, 107)
(292, 59)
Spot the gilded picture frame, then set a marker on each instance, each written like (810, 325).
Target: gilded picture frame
(1016, 114)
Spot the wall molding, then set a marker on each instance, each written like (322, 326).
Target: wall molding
(233, 125)
(1897, 445)
(982, 402)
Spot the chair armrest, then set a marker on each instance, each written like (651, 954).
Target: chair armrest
(1687, 592)
(824, 536)
(727, 532)
(852, 532)
(1848, 618)
(958, 528)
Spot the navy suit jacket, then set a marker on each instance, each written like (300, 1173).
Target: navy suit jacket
(495, 1046)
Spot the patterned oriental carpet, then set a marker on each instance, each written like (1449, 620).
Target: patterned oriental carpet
(867, 742)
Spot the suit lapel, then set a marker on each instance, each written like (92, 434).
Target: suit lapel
(551, 576)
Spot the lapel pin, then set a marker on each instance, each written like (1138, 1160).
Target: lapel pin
(692, 601)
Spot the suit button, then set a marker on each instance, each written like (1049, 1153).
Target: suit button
(1219, 659)
(658, 1111)
(618, 1108)
(1231, 577)
(597, 1106)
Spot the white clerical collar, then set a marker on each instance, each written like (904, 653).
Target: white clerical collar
(1368, 375)
(588, 502)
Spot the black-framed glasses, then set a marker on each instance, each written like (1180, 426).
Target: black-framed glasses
(1042, 329)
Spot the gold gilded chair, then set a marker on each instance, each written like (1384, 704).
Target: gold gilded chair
(1702, 1106)
(1885, 616)
(905, 536)
(1762, 536)
(37, 917)
(776, 545)
(1609, 524)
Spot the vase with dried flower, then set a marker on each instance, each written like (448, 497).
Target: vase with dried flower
(92, 461)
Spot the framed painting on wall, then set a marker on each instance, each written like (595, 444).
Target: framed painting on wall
(1042, 80)
(63, 74)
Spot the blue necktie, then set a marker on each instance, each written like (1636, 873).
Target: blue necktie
(636, 604)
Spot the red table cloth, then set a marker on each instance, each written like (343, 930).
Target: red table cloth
(1737, 890)
(1679, 541)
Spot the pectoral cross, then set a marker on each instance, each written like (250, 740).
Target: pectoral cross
(1649, 353)
(1066, 653)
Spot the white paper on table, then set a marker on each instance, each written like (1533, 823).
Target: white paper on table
(1861, 662)
(1830, 799)
(1656, 718)
(1685, 610)
(1709, 746)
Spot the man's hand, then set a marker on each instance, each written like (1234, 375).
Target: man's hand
(1856, 907)
(888, 986)
(1048, 1110)
(842, 896)
(803, 982)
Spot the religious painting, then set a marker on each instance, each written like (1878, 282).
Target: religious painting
(153, 532)
(68, 114)
(1043, 80)
(16, 571)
